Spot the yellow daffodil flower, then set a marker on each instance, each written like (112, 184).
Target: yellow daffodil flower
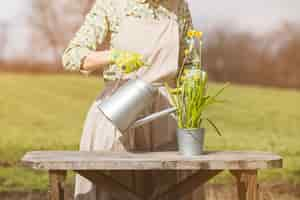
(186, 52)
(190, 33)
(193, 33)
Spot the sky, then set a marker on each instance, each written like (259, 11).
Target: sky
(11, 9)
(256, 15)
(251, 15)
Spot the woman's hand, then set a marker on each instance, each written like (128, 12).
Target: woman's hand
(127, 61)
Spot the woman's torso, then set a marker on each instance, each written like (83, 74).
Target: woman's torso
(141, 9)
(144, 9)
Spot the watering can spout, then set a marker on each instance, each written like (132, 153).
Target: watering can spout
(153, 117)
(125, 106)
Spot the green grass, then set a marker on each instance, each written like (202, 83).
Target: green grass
(47, 112)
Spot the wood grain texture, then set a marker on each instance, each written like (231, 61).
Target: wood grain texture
(57, 185)
(247, 185)
(72, 160)
(186, 186)
(119, 191)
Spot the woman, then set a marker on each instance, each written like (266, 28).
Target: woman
(126, 33)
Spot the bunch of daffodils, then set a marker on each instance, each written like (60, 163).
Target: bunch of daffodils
(191, 97)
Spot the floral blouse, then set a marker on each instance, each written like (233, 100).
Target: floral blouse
(102, 22)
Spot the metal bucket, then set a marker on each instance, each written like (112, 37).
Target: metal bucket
(127, 103)
(191, 141)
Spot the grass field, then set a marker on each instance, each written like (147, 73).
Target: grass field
(47, 112)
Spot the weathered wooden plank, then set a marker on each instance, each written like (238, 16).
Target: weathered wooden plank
(68, 160)
(187, 186)
(247, 186)
(119, 191)
(57, 185)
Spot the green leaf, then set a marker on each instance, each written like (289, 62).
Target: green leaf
(214, 126)
(221, 90)
(212, 99)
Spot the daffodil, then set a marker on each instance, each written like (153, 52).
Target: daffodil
(190, 33)
(194, 33)
(186, 52)
(198, 34)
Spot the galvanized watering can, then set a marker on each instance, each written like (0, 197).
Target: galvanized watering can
(128, 102)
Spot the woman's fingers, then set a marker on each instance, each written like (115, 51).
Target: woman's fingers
(127, 61)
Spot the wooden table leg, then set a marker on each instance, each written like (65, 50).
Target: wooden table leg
(247, 185)
(188, 185)
(57, 185)
(118, 191)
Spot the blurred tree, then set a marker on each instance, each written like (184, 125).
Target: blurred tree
(54, 22)
(287, 59)
(3, 38)
(243, 57)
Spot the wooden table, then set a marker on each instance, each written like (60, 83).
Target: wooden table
(243, 165)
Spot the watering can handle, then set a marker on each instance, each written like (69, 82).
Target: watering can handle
(153, 117)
